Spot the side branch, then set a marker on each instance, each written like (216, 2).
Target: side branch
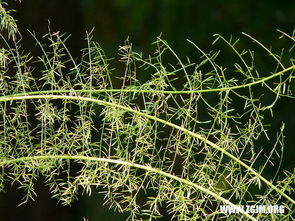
(200, 91)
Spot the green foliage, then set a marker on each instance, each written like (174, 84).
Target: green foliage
(181, 134)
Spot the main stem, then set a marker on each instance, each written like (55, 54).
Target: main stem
(198, 136)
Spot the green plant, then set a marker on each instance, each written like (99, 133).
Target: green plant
(185, 135)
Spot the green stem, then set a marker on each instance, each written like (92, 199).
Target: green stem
(154, 118)
(139, 166)
(97, 91)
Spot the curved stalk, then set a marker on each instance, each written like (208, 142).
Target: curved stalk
(198, 136)
(135, 165)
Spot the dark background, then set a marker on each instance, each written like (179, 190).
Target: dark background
(142, 21)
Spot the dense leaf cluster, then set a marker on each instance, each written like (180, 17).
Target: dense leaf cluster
(177, 133)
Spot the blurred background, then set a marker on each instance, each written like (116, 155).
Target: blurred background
(142, 21)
